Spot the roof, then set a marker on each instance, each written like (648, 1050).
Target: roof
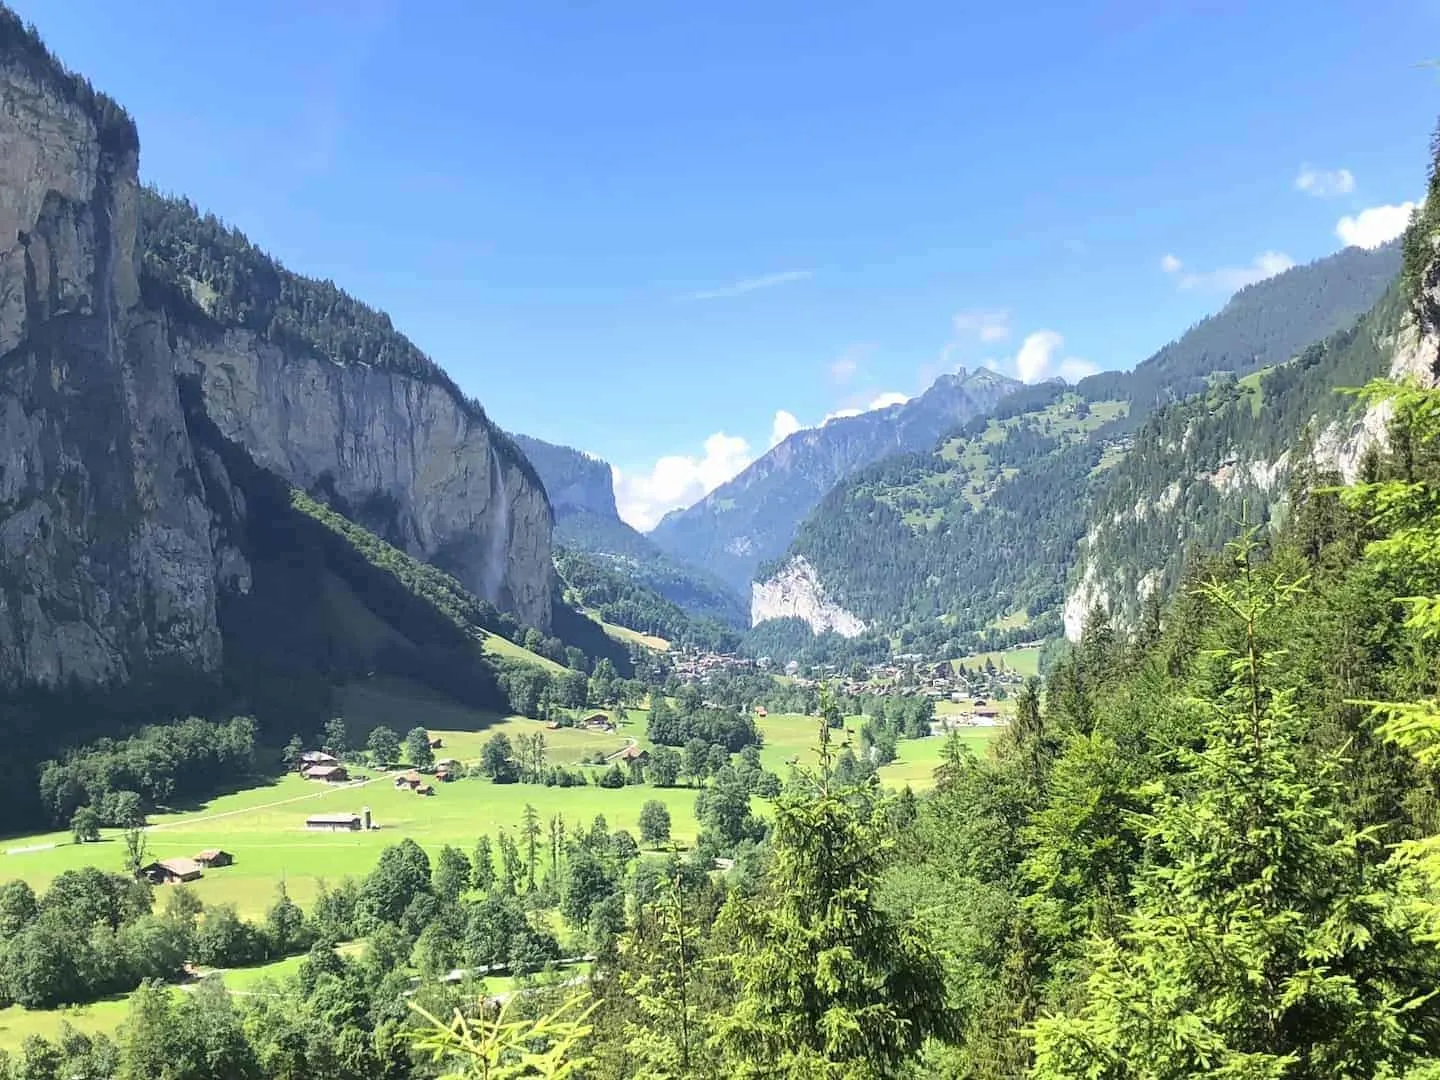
(210, 853)
(317, 756)
(630, 753)
(181, 867)
(324, 770)
(332, 819)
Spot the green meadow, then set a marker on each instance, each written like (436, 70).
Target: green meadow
(263, 826)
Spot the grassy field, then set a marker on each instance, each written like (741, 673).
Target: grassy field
(1025, 661)
(263, 826)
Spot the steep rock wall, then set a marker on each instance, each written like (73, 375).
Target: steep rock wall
(402, 453)
(106, 567)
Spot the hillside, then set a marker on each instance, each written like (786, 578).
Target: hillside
(582, 492)
(979, 534)
(751, 519)
(1201, 466)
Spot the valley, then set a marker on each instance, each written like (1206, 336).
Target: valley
(976, 709)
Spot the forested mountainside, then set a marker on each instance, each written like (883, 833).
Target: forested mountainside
(173, 402)
(752, 518)
(1236, 452)
(582, 492)
(1262, 324)
(980, 534)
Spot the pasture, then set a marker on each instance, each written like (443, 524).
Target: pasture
(264, 825)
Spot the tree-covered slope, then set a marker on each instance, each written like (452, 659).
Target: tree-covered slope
(1262, 324)
(1200, 466)
(973, 536)
(752, 518)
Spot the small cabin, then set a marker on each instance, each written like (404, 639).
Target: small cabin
(632, 753)
(436, 742)
(761, 711)
(171, 871)
(411, 779)
(214, 858)
(330, 774)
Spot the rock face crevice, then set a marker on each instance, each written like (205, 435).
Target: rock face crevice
(111, 560)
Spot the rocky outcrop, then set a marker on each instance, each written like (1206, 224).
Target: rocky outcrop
(106, 567)
(401, 454)
(112, 562)
(794, 591)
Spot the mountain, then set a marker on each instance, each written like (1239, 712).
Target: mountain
(752, 518)
(1235, 453)
(582, 492)
(223, 484)
(974, 541)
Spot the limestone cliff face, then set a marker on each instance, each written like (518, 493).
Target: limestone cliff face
(404, 454)
(112, 564)
(106, 567)
(794, 591)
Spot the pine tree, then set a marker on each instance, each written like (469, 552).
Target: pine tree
(1266, 939)
(828, 984)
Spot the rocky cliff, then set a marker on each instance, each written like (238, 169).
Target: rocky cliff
(111, 561)
(106, 566)
(794, 591)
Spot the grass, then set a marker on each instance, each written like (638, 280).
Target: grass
(1025, 661)
(264, 825)
(634, 637)
(506, 649)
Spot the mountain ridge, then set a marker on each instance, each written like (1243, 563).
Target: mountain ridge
(752, 517)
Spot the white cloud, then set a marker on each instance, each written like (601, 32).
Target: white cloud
(1374, 226)
(1324, 183)
(1039, 358)
(885, 400)
(746, 285)
(840, 414)
(985, 325)
(678, 480)
(1229, 278)
(843, 370)
(784, 425)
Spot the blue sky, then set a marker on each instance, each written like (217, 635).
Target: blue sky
(666, 232)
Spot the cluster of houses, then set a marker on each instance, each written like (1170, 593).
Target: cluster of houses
(176, 871)
(692, 665)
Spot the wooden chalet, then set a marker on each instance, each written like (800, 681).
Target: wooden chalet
(171, 871)
(331, 774)
(213, 858)
(631, 753)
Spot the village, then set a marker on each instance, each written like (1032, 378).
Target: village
(907, 675)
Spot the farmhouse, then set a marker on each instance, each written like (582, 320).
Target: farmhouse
(171, 871)
(334, 822)
(436, 742)
(214, 858)
(316, 757)
(599, 722)
(411, 779)
(761, 711)
(331, 774)
(631, 753)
